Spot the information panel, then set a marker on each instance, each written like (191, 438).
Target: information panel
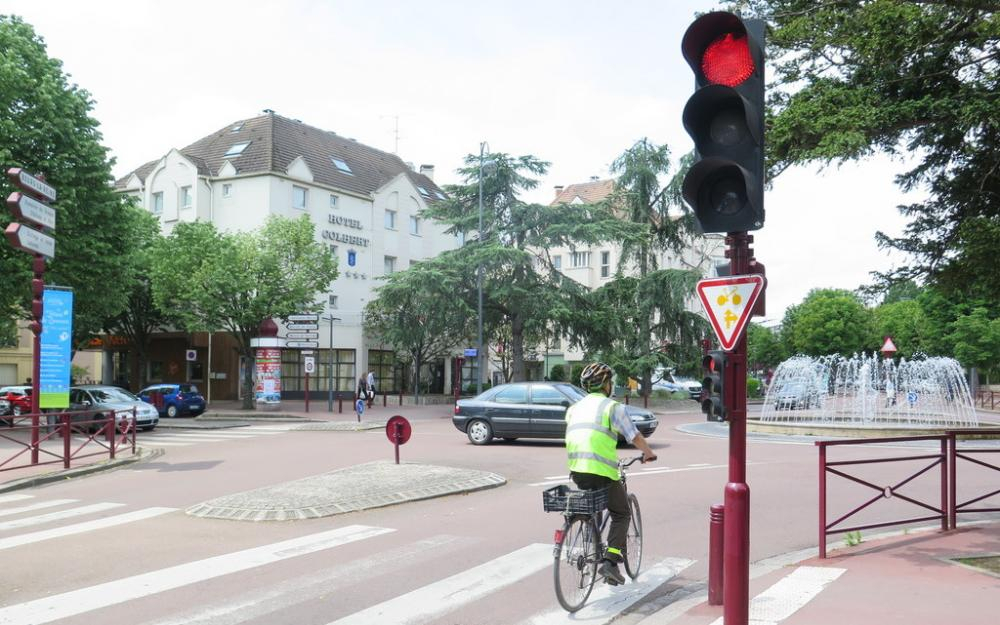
(55, 355)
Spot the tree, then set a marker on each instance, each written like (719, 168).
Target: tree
(421, 314)
(899, 76)
(521, 287)
(764, 348)
(141, 317)
(649, 312)
(977, 341)
(905, 322)
(45, 128)
(208, 280)
(828, 321)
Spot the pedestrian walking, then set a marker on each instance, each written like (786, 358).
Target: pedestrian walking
(371, 388)
(362, 392)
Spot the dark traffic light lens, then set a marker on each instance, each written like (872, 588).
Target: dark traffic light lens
(728, 127)
(727, 60)
(724, 192)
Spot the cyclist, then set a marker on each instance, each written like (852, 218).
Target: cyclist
(592, 428)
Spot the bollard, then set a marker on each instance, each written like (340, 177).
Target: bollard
(385, 399)
(66, 434)
(626, 398)
(340, 404)
(715, 548)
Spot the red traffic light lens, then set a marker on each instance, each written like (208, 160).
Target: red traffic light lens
(727, 60)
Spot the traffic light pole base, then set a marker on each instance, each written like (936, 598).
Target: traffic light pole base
(736, 559)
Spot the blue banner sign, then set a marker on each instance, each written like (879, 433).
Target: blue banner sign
(56, 352)
(471, 352)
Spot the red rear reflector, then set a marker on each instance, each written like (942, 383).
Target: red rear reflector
(456, 408)
(727, 60)
(559, 537)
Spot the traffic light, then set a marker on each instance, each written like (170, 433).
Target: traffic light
(725, 117)
(713, 402)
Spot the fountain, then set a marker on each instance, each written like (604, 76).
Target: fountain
(870, 392)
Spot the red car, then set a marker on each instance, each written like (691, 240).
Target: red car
(18, 400)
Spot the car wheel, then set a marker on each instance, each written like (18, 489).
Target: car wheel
(172, 411)
(16, 411)
(479, 432)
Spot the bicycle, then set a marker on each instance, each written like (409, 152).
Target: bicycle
(579, 545)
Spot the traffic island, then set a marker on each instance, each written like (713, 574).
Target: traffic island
(361, 487)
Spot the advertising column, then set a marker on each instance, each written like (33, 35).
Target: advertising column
(267, 387)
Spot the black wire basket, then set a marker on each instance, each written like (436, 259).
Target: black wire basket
(564, 499)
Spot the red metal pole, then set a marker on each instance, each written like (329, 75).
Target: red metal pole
(307, 391)
(953, 479)
(395, 439)
(66, 436)
(37, 288)
(736, 559)
(112, 433)
(944, 483)
(822, 500)
(716, 544)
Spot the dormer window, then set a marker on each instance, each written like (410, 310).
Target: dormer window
(342, 165)
(238, 126)
(439, 195)
(236, 149)
(423, 192)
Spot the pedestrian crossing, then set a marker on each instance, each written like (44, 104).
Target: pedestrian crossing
(170, 437)
(472, 581)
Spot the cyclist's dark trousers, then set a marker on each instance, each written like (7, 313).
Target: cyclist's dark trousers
(617, 506)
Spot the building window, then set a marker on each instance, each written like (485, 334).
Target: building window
(236, 149)
(440, 195)
(227, 190)
(236, 127)
(196, 371)
(390, 264)
(414, 225)
(158, 203)
(557, 261)
(388, 370)
(185, 197)
(579, 259)
(342, 165)
(342, 366)
(423, 191)
(605, 264)
(333, 301)
(299, 195)
(333, 250)
(390, 219)
(333, 201)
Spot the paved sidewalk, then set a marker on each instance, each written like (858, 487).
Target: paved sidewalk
(907, 578)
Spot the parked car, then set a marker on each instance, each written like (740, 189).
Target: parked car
(172, 400)
(529, 410)
(101, 399)
(796, 395)
(18, 400)
(693, 387)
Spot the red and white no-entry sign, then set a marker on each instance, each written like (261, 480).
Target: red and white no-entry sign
(729, 303)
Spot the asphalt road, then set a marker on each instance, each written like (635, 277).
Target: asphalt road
(134, 556)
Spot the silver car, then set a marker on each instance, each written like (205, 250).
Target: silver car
(103, 399)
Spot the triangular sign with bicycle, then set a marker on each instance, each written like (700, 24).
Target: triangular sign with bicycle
(729, 303)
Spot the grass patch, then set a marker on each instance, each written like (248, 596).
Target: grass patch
(990, 564)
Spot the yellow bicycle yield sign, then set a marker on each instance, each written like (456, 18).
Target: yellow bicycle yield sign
(729, 302)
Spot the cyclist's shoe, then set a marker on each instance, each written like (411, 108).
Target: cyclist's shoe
(609, 570)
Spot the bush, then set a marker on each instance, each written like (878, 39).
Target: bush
(575, 375)
(754, 387)
(471, 389)
(557, 373)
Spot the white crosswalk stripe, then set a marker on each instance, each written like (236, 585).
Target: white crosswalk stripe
(14, 497)
(58, 516)
(168, 437)
(36, 506)
(789, 594)
(80, 528)
(81, 601)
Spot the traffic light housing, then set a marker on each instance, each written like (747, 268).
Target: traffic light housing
(713, 395)
(725, 117)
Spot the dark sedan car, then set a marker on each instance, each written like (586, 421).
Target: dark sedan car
(528, 410)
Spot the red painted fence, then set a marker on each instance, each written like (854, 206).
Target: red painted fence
(82, 435)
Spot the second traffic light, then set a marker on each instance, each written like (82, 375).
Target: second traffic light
(713, 396)
(725, 117)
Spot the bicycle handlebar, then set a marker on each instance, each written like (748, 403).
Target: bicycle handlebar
(623, 464)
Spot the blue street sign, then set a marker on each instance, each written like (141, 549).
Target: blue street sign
(55, 354)
(352, 258)
(911, 397)
(359, 407)
(471, 352)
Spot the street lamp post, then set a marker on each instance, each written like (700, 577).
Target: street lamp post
(479, 279)
(329, 394)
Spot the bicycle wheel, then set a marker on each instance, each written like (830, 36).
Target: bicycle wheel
(575, 567)
(633, 540)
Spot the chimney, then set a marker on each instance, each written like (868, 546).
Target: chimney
(595, 178)
(410, 166)
(559, 189)
(427, 170)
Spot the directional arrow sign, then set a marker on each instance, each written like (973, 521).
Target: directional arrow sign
(300, 344)
(26, 182)
(302, 335)
(24, 238)
(728, 303)
(28, 208)
(304, 317)
(303, 326)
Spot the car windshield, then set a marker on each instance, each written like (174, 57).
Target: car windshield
(105, 395)
(188, 388)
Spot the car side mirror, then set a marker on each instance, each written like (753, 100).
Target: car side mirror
(564, 403)
(85, 402)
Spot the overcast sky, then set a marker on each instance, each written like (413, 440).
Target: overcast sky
(574, 82)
